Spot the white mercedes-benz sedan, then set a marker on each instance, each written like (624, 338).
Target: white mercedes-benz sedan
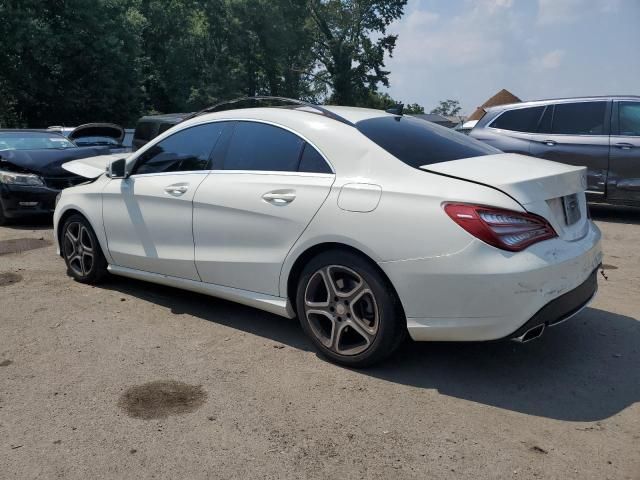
(364, 224)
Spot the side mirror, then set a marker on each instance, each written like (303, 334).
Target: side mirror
(117, 168)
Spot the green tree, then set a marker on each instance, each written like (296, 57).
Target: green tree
(350, 42)
(448, 108)
(69, 61)
(413, 108)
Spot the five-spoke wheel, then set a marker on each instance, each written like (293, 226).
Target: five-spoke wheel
(81, 250)
(348, 308)
(341, 309)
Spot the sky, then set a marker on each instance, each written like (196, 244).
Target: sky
(470, 49)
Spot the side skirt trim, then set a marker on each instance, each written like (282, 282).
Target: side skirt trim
(277, 305)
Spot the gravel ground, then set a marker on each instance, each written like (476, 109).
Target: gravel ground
(132, 380)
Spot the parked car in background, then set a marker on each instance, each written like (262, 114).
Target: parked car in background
(107, 135)
(601, 133)
(150, 126)
(365, 224)
(466, 127)
(31, 175)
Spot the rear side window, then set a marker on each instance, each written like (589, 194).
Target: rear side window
(258, 146)
(629, 118)
(186, 150)
(312, 161)
(418, 142)
(584, 118)
(519, 120)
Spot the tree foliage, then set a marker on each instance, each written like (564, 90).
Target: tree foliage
(448, 108)
(67, 62)
(414, 108)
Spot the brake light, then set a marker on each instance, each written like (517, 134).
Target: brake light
(504, 229)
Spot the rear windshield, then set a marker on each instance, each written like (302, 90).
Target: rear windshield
(20, 140)
(418, 142)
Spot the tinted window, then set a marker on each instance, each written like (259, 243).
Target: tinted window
(312, 161)
(185, 150)
(547, 118)
(585, 118)
(629, 118)
(145, 130)
(418, 142)
(258, 146)
(519, 120)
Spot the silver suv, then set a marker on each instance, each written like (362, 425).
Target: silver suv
(601, 133)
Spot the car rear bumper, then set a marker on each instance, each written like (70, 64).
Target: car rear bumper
(23, 201)
(482, 293)
(559, 310)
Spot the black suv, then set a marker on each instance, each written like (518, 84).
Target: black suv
(601, 133)
(150, 126)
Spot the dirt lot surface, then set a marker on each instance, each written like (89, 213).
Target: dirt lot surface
(132, 380)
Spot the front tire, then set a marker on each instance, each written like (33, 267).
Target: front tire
(3, 219)
(81, 251)
(348, 309)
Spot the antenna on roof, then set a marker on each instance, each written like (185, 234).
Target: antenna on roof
(396, 109)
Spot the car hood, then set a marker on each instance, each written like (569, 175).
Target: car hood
(91, 167)
(110, 130)
(46, 162)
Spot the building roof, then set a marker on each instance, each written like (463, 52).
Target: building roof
(432, 117)
(503, 97)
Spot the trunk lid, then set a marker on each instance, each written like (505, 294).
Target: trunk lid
(98, 134)
(550, 189)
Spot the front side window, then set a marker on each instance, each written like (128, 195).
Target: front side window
(418, 142)
(629, 119)
(259, 146)
(186, 150)
(583, 118)
(519, 120)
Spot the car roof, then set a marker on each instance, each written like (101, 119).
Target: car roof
(28, 130)
(534, 103)
(164, 116)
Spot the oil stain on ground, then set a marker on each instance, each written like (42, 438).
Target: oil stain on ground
(161, 399)
(9, 278)
(606, 266)
(17, 245)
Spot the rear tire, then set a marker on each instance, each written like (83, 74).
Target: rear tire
(81, 251)
(348, 309)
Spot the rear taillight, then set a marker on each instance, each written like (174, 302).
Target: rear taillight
(505, 229)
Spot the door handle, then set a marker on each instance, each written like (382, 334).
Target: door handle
(177, 189)
(550, 143)
(624, 146)
(279, 198)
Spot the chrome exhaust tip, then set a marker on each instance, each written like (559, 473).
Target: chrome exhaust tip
(530, 334)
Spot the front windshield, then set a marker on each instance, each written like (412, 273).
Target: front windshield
(33, 141)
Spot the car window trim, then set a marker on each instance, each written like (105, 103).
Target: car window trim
(297, 134)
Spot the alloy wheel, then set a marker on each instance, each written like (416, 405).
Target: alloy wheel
(341, 309)
(79, 249)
